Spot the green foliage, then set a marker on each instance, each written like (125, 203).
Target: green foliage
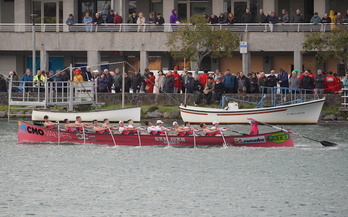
(328, 44)
(152, 108)
(196, 40)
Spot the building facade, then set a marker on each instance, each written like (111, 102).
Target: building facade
(57, 45)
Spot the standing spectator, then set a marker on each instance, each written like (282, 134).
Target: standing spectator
(298, 17)
(213, 19)
(326, 19)
(294, 81)
(169, 83)
(116, 80)
(339, 19)
(319, 83)
(273, 19)
(329, 83)
(243, 84)
(117, 18)
(98, 19)
(136, 82)
(189, 85)
(173, 19)
(150, 83)
(197, 88)
(209, 89)
(221, 18)
(87, 76)
(307, 81)
(70, 21)
(338, 84)
(110, 17)
(315, 19)
(345, 86)
(39, 80)
(3, 84)
(261, 82)
(95, 75)
(133, 18)
(230, 19)
(108, 78)
(77, 76)
(203, 78)
(141, 22)
(254, 87)
(28, 80)
(127, 82)
(159, 82)
(183, 80)
(103, 84)
(247, 17)
(229, 81)
(177, 83)
(151, 19)
(62, 77)
(285, 18)
(219, 88)
(87, 20)
(159, 20)
(271, 81)
(283, 79)
(261, 17)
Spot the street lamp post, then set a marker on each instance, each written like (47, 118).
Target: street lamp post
(34, 44)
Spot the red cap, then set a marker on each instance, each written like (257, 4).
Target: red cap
(176, 67)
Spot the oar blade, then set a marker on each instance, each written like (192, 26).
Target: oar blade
(328, 144)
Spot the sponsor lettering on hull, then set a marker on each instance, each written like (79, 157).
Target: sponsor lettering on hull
(279, 137)
(248, 140)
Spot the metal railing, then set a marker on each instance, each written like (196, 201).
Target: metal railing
(345, 97)
(167, 27)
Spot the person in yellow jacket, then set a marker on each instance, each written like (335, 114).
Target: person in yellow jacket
(40, 80)
(77, 77)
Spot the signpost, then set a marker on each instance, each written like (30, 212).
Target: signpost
(243, 47)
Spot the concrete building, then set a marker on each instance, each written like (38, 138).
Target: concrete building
(57, 45)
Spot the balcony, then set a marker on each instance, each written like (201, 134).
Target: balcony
(240, 27)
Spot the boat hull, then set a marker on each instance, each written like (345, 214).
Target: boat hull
(114, 115)
(33, 134)
(299, 113)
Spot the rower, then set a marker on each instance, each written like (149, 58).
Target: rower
(48, 124)
(123, 129)
(151, 129)
(187, 125)
(254, 130)
(216, 127)
(106, 123)
(131, 128)
(180, 131)
(79, 125)
(98, 129)
(207, 131)
(68, 126)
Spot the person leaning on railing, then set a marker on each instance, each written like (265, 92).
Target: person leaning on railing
(39, 80)
(28, 80)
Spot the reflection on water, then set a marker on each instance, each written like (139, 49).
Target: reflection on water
(91, 180)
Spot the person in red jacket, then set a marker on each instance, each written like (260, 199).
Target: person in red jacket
(150, 83)
(329, 83)
(117, 18)
(177, 83)
(203, 78)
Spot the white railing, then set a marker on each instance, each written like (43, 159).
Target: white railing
(345, 97)
(126, 27)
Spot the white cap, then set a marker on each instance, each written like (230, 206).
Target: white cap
(159, 122)
(96, 70)
(120, 121)
(88, 67)
(215, 122)
(175, 123)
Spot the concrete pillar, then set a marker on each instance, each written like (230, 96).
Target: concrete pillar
(121, 6)
(144, 61)
(22, 8)
(218, 7)
(93, 59)
(320, 7)
(44, 65)
(246, 63)
(298, 60)
(269, 5)
(168, 6)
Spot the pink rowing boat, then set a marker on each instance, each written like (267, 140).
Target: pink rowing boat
(33, 134)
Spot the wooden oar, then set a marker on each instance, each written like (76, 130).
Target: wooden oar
(58, 133)
(228, 129)
(223, 138)
(139, 137)
(324, 143)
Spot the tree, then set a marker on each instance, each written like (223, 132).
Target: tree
(333, 44)
(196, 39)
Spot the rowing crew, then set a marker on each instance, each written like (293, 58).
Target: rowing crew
(130, 129)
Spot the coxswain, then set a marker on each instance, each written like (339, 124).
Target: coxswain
(180, 131)
(48, 124)
(97, 129)
(207, 131)
(254, 130)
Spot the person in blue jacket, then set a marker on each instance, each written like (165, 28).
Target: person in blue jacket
(283, 79)
(88, 21)
(28, 80)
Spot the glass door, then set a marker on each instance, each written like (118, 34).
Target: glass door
(50, 12)
(182, 11)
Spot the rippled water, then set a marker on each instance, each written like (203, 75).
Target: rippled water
(91, 180)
